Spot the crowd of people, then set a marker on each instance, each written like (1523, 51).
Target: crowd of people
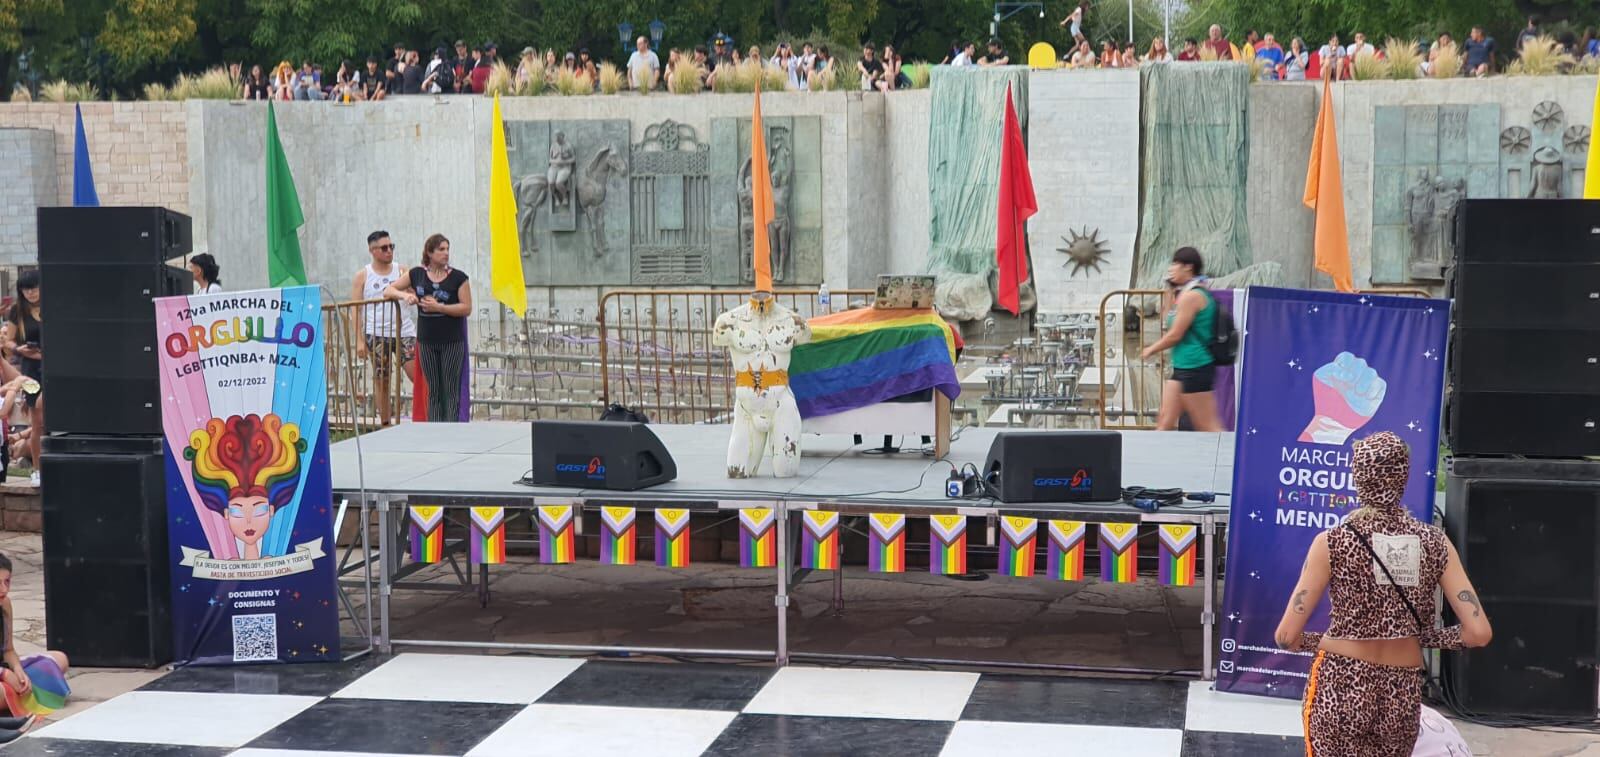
(1297, 61)
(465, 70)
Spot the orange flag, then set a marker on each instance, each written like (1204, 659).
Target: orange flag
(760, 198)
(1325, 196)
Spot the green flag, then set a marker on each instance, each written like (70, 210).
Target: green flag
(284, 219)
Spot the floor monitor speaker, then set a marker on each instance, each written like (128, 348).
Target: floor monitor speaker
(1055, 466)
(599, 455)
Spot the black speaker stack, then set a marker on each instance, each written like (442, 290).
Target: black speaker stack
(1522, 421)
(106, 569)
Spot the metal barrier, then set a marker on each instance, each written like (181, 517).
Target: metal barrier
(1128, 389)
(656, 353)
(1397, 292)
(357, 391)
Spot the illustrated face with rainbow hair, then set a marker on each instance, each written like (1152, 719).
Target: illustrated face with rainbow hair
(246, 468)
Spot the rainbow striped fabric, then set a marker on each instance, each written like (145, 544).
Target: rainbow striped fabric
(672, 537)
(886, 543)
(1178, 548)
(947, 544)
(1064, 561)
(1018, 541)
(1119, 552)
(48, 693)
(616, 535)
(862, 357)
(427, 533)
(758, 537)
(557, 528)
(819, 545)
(488, 535)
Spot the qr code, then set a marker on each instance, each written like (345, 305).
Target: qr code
(255, 638)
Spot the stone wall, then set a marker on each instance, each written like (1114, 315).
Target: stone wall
(27, 180)
(418, 166)
(138, 150)
(1083, 152)
(1282, 120)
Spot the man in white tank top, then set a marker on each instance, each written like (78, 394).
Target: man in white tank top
(375, 322)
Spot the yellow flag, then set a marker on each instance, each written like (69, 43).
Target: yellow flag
(1591, 167)
(760, 198)
(1325, 195)
(505, 249)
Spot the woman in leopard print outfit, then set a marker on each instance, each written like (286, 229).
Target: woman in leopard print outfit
(1381, 569)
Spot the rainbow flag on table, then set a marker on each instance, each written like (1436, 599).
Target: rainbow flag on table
(427, 533)
(1018, 541)
(1119, 552)
(886, 543)
(1064, 560)
(758, 538)
(556, 533)
(862, 357)
(616, 535)
(488, 535)
(947, 544)
(819, 545)
(1178, 546)
(49, 690)
(672, 537)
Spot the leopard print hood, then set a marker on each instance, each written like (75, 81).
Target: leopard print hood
(1380, 465)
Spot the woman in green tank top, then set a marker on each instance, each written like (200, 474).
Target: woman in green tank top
(1190, 323)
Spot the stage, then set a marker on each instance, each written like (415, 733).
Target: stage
(479, 464)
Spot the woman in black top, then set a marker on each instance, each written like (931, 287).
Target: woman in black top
(871, 70)
(255, 85)
(27, 334)
(444, 300)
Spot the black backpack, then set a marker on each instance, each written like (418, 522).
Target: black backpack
(1224, 346)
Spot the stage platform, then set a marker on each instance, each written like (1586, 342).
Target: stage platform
(460, 465)
(479, 464)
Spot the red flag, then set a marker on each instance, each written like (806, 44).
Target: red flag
(1017, 204)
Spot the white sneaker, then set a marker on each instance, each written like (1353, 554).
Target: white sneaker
(33, 478)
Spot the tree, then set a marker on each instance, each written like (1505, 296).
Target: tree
(137, 32)
(316, 30)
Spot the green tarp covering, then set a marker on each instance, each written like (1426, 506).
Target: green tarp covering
(968, 111)
(1195, 154)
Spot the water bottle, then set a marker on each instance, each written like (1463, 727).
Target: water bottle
(823, 298)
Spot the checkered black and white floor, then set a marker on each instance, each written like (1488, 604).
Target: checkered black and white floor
(523, 706)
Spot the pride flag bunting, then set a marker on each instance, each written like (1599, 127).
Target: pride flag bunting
(1018, 540)
(616, 535)
(672, 537)
(1119, 552)
(427, 533)
(1064, 561)
(886, 543)
(947, 544)
(1178, 546)
(488, 535)
(556, 530)
(758, 538)
(819, 545)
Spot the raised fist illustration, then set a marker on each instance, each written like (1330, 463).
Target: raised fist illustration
(1347, 393)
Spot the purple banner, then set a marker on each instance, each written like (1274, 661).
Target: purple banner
(1321, 370)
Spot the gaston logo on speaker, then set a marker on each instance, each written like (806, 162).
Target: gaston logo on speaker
(594, 468)
(1080, 481)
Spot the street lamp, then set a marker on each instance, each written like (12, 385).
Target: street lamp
(1003, 11)
(625, 33)
(657, 29)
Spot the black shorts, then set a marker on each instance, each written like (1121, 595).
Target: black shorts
(1196, 380)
